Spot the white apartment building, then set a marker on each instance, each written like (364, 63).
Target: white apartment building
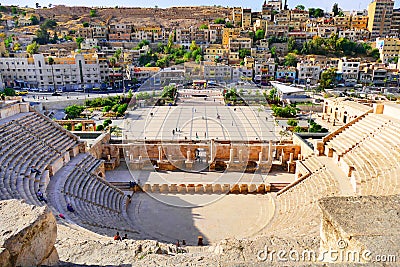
(307, 71)
(217, 72)
(349, 69)
(36, 72)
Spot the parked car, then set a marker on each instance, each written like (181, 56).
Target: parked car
(22, 92)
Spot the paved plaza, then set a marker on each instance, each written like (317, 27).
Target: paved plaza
(240, 123)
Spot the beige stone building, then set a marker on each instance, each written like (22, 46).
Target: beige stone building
(380, 17)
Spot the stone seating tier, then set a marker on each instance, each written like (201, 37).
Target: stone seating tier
(298, 205)
(19, 151)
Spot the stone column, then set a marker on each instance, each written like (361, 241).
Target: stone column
(270, 150)
(260, 156)
(188, 155)
(140, 159)
(240, 156)
(231, 155)
(160, 153)
(291, 158)
(72, 126)
(212, 150)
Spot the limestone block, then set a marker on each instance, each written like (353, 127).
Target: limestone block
(164, 188)
(173, 188)
(261, 188)
(199, 189)
(226, 188)
(28, 233)
(217, 189)
(190, 188)
(244, 189)
(208, 188)
(267, 187)
(155, 188)
(147, 187)
(181, 188)
(252, 188)
(235, 189)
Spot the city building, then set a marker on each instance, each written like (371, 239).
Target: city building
(389, 49)
(349, 70)
(380, 17)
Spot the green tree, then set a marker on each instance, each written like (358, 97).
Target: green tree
(79, 41)
(291, 60)
(17, 47)
(199, 58)
(117, 53)
(203, 27)
(229, 25)
(99, 127)
(244, 53)
(42, 36)
(49, 24)
(375, 53)
(34, 20)
(74, 111)
(219, 21)
(193, 46)
(14, 10)
(93, 13)
(292, 45)
(260, 34)
(300, 7)
(32, 48)
(335, 9)
(85, 24)
(327, 79)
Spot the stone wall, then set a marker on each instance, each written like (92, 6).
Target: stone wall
(220, 151)
(27, 235)
(96, 148)
(11, 110)
(356, 225)
(306, 150)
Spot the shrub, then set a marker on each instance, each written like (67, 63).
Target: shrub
(297, 129)
(74, 111)
(107, 122)
(292, 122)
(99, 127)
(107, 108)
(9, 92)
(122, 108)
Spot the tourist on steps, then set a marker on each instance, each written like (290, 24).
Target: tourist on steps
(40, 196)
(34, 170)
(117, 237)
(70, 208)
